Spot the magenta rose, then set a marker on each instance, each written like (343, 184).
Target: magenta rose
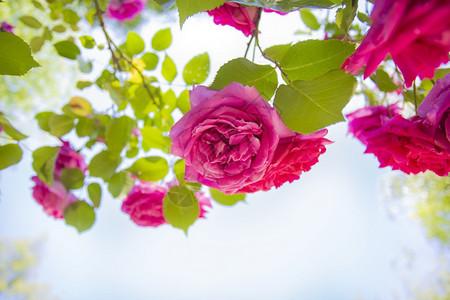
(203, 201)
(124, 10)
(415, 33)
(228, 138)
(54, 199)
(144, 204)
(6, 27)
(234, 141)
(435, 108)
(241, 17)
(365, 121)
(294, 155)
(68, 158)
(398, 142)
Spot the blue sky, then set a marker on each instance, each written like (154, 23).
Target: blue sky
(325, 236)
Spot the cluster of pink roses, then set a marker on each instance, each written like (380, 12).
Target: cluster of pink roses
(241, 17)
(55, 198)
(415, 33)
(411, 145)
(234, 141)
(144, 203)
(124, 10)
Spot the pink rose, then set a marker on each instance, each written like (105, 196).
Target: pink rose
(365, 121)
(241, 17)
(399, 142)
(435, 108)
(123, 10)
(68, 158)
(144, 204)
(6, 27)
(54, 199)
(233, 138)
(415, 33)
(294, 155)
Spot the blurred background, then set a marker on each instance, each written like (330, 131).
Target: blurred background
(345, 230)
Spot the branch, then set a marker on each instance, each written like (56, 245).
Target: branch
(121, 55)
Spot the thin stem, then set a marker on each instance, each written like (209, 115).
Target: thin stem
(121, 55)
(248, 45)
(414, 97)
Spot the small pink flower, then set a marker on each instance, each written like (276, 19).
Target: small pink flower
(54, 199)
(415, 33)
(124, 10)
(136, 132)
(6, 27)
(435, 108)
(68, 158)
(398, 142)
(239, 16)
(144, 204)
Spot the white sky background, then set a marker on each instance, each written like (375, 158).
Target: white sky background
(323, 237)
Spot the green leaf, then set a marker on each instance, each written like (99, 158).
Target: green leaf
(150, 60)
(95, 193)
(384, 82)
(37, 5)
(228, 200)
(59, 28)
(408, 95)
(42, 119)
(120, 184)
(310, 59)
(308, 106)
(277, 52)
(154, 138)
(87, 41)
(83, 84)
(197, 69)
(162, 39)
(60, 124)
(364, 18)
(151, 168)
(36, 43)
(72, 178)
(135, 44)
(85, 127)
(183, 102)
(10, 130)
(118, 133)
(30, 21)
(70, 17)
(169, 70)
(262, 77)
(180, 207)
(440, 73)
(15, 55)
(187, 8)
(309, 19)
(104, 165)
(80, 215)
(67, 49)
(345, 16)
(10, 155)
(44, 163)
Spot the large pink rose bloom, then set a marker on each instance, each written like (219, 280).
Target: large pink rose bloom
(398, 142)
(295, 154)
(416, 33)
(68, 158)
(144, 204)
(435, 108)
(54, 199)
(228, 138)
(234, 141)
(123, 10)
